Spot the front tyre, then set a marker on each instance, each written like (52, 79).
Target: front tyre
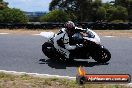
(102, 55)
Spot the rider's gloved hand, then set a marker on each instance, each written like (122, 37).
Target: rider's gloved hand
(79, 46)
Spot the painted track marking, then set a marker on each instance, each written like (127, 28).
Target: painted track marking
(109, 36)
(37, 74)
(3, 33)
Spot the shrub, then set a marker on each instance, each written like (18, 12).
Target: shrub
(55, 16)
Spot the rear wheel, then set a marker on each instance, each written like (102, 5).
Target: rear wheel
(102, 56)
(47, 49)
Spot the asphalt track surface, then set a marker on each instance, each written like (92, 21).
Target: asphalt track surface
(23, 53)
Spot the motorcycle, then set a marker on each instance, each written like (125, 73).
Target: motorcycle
(92, 47)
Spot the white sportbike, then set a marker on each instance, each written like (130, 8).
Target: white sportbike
(92, 47)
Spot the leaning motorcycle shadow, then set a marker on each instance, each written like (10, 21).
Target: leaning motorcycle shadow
(62, 65)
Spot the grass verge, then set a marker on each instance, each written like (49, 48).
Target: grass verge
(26, 81)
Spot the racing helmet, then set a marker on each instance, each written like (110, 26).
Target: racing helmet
(69, 25)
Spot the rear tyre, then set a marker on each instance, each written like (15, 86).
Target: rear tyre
(102, 56)
(47, 49)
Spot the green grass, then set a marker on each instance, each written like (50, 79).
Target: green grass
(26, 81)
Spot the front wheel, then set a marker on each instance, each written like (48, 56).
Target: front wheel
(102, 56)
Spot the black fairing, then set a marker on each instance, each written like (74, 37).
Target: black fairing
(89, 47)
(77, 38)
(88, 50)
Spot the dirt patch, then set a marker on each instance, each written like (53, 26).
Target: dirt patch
(119, 33)
(24, 31)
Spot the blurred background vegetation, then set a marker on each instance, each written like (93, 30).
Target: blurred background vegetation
(11, 15)
(75, 10)
(94, 10)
